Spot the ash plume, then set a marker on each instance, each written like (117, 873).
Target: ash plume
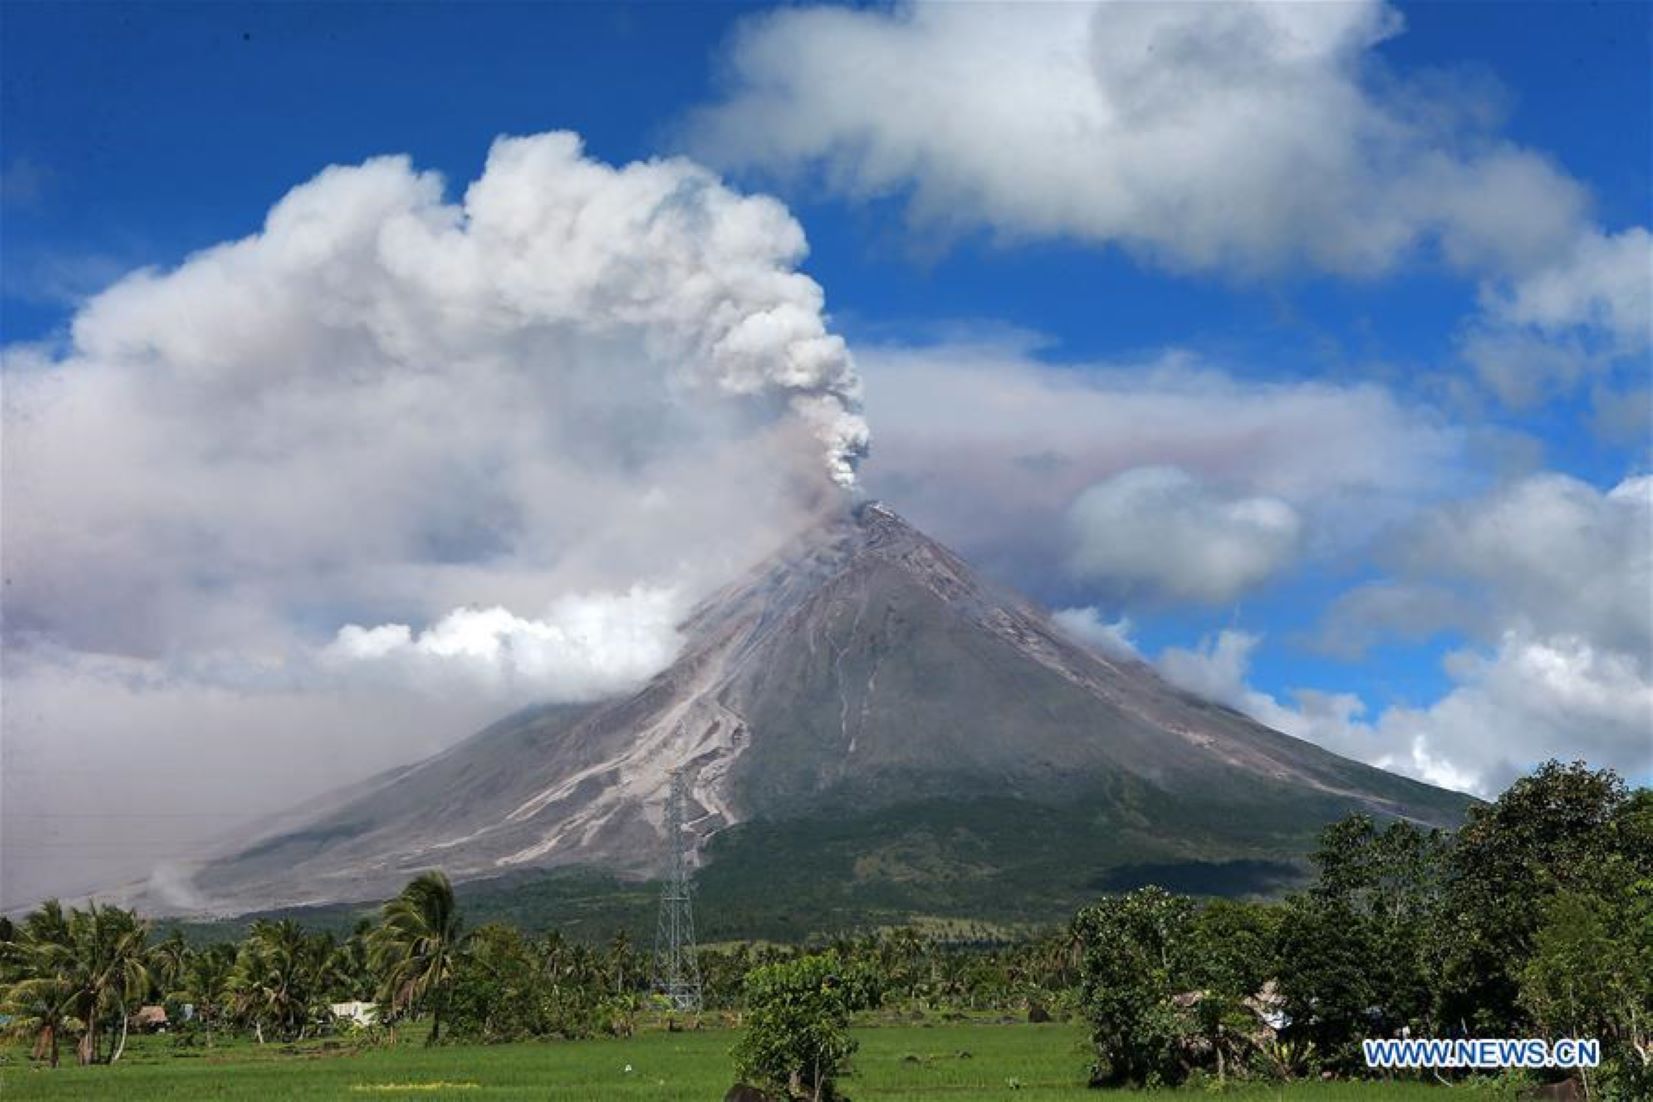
(502, 431)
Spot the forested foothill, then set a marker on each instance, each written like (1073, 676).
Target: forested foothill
(1534, 919)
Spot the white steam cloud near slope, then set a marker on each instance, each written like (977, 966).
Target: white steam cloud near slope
(1169, 480)
(1173, 482)
(584, 647)
(1161, 527)
(477, 451)
(1550, 580)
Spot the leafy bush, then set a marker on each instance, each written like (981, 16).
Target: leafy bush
(797, 1038)
(1131, 942)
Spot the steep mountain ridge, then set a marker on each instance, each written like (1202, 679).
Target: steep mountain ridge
(861, 670)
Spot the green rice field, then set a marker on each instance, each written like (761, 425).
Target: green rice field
(959, 1061)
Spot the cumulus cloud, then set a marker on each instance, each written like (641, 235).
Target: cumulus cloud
(1603, 282)
(1086, 624)
(586, 646)
(1533, 697)
(1391, 609)
(1218, 667)
(1236, 137)
(1529, 699)
(1586, 315)
(1158, 528)
(1552, 579)
(993, 451)
(507, 435)
(1215, 669)
(1239, 134)
(1551, 553)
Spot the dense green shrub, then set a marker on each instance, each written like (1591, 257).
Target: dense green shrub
(797, 1040)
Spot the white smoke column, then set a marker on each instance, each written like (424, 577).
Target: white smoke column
(389, 402)
(574, 378)
(662, 246)
(370, 266)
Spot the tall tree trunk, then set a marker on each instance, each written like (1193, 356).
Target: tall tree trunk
(121, 1047)
(87, 1049)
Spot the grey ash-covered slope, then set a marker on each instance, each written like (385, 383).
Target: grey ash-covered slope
(863, 670)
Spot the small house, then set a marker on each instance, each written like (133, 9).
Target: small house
(362, 1014)
(150, 1019)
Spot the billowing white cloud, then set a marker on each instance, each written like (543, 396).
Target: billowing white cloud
(1389, 608)
(993, 451)
(1530, 699)
(393, 404)
(1586, 315)
(1243, 135)
(366, 275)
(1560, 603)
(1239, 137)
(1603, 282)
(1159, 529)
(1111, 637)
(1548, 553)
(564, 403)
(586, 646)
(1216, 669)
(1534, 697)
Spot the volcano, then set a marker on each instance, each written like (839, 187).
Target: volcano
(862, 720)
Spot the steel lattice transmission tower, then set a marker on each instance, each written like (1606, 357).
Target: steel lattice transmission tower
(676, 971)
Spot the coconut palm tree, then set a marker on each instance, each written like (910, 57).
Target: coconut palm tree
(76, 970)
(352, 964)
(104, 963)
(10, 951)
(47, 926)
(169, 962)
(620, 953)
(281, 977)
(39, 1008)
(37, 994)
(415, 946)
(206, 983)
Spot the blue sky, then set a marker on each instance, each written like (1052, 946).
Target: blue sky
(135, 135)
(157, 129)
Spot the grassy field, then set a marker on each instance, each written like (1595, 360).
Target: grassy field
(959, 1061)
